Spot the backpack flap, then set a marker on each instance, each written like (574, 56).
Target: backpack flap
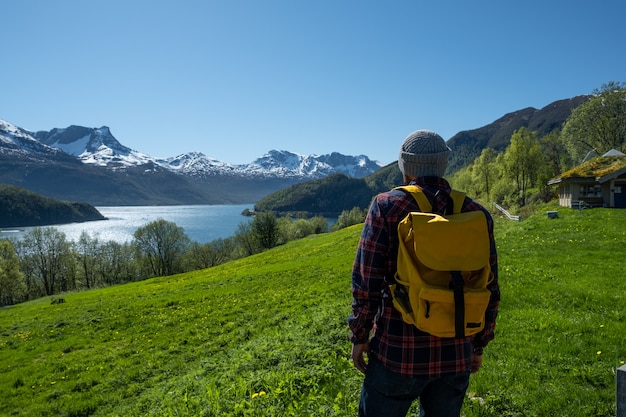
(459, 242)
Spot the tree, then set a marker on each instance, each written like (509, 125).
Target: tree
(350, 217)
(244, 239)
(116, 264)
(320, 224)
(599, 124)
(161, 244)
(48, 257)
(265, 229)
(300, 228)
(87, 249)
(209, 254)
(523, 160)
(555, 154)
(462, 180)
(12, 284)
(485, 172)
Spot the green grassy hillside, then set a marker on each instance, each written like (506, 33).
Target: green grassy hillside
(266, 335)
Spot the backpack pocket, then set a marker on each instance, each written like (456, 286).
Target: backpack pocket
(404, 297)
(436, 313)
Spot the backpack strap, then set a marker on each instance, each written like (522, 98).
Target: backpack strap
(457, 283)
(458, 197)
(418, 196)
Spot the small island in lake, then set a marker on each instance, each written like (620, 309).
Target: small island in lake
(23, 208)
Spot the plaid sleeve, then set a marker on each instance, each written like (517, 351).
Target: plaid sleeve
(368, 275)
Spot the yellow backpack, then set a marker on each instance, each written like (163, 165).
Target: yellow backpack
(443, 268)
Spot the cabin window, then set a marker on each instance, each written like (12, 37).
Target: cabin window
(591, 191)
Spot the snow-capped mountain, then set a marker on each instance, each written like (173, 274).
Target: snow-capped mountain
(284, 163)
(98, 146)
(90, 164)
(93, 146)
(197, 164)
(17, 141)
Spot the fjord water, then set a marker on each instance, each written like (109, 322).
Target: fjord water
(202, 223)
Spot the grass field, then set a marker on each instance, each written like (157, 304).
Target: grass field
(267, 336)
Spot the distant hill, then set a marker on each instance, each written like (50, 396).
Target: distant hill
(331, 195)
(327, 196)
(467, 145)
(23, 208)
(335, 194)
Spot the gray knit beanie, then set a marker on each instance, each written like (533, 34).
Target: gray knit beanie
(424, 154)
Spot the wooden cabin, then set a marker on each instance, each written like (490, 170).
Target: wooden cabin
(600, 182)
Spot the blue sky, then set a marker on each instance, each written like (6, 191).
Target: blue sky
(234, 79)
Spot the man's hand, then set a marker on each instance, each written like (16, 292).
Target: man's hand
(359, 352)
(477, 361)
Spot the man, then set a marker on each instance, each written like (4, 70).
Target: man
(401, 363)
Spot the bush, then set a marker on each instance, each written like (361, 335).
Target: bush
(348, 218)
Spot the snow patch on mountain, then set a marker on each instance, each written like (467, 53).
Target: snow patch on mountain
(15, 140)
(284, 163)
(95, 146)
(197, 164)
(98, 146)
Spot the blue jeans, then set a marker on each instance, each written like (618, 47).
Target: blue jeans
(390, 394)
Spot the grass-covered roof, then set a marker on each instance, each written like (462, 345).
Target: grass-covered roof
(597, 167)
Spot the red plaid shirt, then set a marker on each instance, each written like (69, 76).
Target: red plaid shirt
(399, 346)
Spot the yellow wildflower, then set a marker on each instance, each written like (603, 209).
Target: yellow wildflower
(259, 394)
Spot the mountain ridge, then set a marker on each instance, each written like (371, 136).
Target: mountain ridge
(102, 171)
(468, 144)
(98, 146)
